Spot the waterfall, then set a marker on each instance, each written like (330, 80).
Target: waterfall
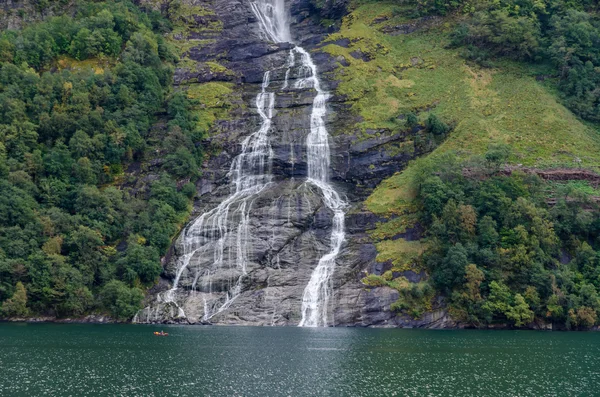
(224, 229)
(274, 26)
(315, 300)
(219, 239)
(273, 19)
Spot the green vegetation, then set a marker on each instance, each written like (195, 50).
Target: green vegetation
(499, 248)
(415, 298)
(78, 98)
(498, 252)
(422, 74)
(16, 306)
(213, 100)
(564, 33)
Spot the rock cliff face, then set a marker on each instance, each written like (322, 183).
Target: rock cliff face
(289, 226)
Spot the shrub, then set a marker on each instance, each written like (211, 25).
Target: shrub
(436, 126)
(16, 306)
(121, 301)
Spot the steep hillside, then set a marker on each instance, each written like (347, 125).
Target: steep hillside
(163, 155)
(95, 155)
(401, 71)
(249, 261)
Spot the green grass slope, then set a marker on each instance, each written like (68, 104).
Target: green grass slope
(396, 73)
(417, 71)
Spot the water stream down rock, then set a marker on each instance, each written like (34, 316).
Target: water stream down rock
(315, 300)
(279, 235)
(224, 231)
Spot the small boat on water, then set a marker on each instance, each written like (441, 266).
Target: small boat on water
(161, 333)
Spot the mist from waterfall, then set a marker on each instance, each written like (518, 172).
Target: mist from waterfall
(275, 26)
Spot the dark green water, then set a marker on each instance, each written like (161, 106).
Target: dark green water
(98, 360)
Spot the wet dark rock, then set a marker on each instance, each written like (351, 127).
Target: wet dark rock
(420, 24)
(411, 234)
(290, 227)
(358, 54)
(397, 30)
(331, 9)
(411, 276)
(342, 61)
(380, 19)
(345, 42)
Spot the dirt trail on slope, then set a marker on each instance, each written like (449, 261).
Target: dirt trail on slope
(558, 174)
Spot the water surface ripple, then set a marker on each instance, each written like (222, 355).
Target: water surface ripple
(110, 360)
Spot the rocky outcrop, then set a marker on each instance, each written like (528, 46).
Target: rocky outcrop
(16, 13)
(289, 226)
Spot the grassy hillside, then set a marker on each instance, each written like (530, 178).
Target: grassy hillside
(417, 72)
(400, 65)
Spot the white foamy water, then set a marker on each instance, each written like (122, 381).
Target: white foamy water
(273, 18)
(222, 234)
(315, 300)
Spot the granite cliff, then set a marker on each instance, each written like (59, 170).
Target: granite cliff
(289, 225)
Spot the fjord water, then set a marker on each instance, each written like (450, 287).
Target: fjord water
(108, 360)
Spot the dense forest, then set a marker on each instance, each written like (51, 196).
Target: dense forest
(79, 94)
(503, 245)
(499, 252)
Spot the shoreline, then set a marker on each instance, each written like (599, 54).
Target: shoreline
(89, 319)
(103, 319)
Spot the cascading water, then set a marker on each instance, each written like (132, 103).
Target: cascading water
(315, 300)
(219, 239)
(273, 19)
(224, 230)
